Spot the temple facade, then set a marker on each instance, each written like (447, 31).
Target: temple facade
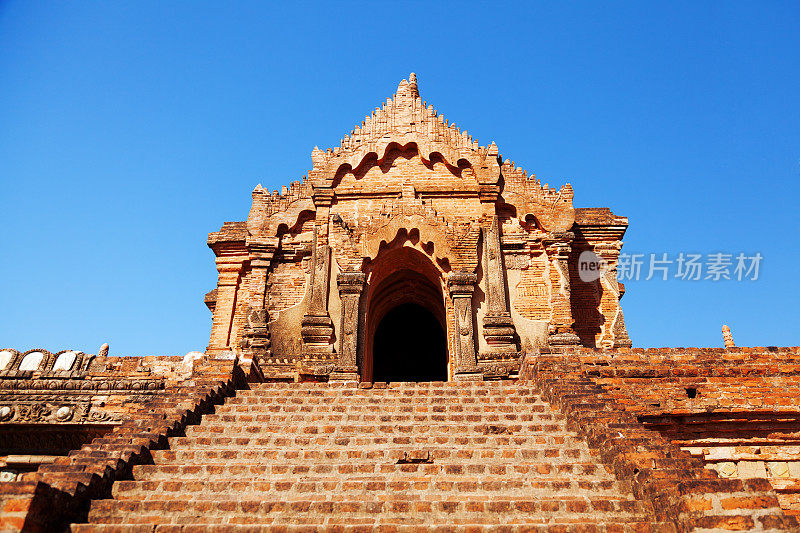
(411, 226)
(407, 339)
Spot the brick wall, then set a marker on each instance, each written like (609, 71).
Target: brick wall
(690, 415)
(140, 401)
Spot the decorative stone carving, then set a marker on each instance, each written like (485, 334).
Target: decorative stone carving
(79, 384)
(255, 337)
(6, 413)
(64, 414)
(316, 326)
(33, 413)
(561, 331)
(461, 285)
(727, 337)
(350, 286)
(49, 410)
(498, 328)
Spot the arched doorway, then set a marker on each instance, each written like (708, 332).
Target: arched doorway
(409, 345)
(405, 322)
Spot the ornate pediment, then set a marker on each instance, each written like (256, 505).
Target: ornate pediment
(404, 120)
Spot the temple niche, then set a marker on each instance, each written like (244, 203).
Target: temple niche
(410, 230)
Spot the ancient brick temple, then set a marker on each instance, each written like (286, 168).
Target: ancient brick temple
(409, 226)
(401, 340)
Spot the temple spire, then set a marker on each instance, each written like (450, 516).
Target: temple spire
(412, 84)
(408, 88)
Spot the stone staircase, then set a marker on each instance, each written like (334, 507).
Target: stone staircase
(338, 456)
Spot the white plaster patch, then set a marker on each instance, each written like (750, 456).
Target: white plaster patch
(31, 361)
(65, 361)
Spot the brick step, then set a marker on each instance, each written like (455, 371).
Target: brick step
(316, 391)
(332, 429)
(450, 389)
(287, 488)
(389, 409)
(416, 441)
(367, 525)
(394, 385)
(303, 391)
(357, 404)
(395, 400)
(387, 406)
(379, 454)
(472, 510)
(241, 471)
(372, 418)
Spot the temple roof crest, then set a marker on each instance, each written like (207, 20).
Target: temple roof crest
(403, 119)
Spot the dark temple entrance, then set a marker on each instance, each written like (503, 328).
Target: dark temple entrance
(410, 345)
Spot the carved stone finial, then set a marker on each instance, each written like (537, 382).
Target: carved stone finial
(727, 337)
(408, 88)
(103, 350)
(412, 84)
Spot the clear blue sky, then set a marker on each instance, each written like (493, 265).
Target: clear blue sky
(129, 130)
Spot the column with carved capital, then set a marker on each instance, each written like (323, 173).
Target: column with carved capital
(323, 200)
(498, 327)
(350, 286)
(230, 272)
(255, 337)
(316, 326)
(616, 334)
(561, 331)
(461, 285)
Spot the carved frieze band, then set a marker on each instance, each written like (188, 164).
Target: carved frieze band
(50, 413)
(110, 385)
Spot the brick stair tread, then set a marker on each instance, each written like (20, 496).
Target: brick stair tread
(384, 452)
(334, 408)
(318, 390)
(373, 430)
(349, 418)
(433, 489)
(237, 470)
(342, 405)
(468, 509)
(325, 441)
(381, 526)
(390, 403)
(376, 387)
